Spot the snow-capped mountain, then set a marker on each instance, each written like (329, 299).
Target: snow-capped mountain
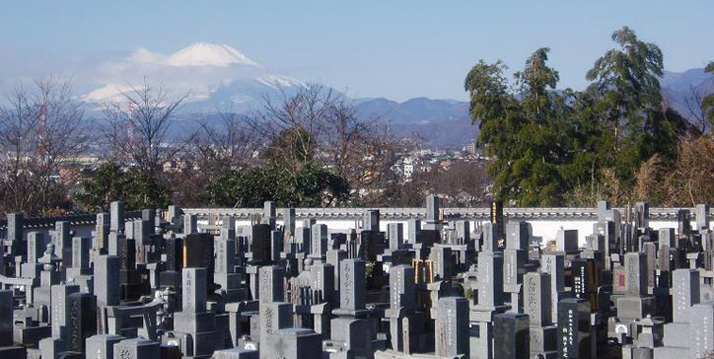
(204, 54)
(214, 76)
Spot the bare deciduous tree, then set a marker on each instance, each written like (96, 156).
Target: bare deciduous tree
(224, 145)
(138, 128)
(41, 129)
(697, 113)
(318, 124)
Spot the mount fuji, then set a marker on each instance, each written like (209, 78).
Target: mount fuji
(205, 54)
(215, 76)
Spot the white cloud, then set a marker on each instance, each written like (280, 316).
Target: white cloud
(111, 91)
(144, 56)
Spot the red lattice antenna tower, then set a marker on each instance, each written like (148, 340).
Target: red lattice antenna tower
(42, 130)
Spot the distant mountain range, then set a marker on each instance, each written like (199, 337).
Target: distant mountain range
(681, 88)
(439, 123)
(446, 123)
(219, 77)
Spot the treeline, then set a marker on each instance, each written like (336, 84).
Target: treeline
(617, 140)
(303, 148)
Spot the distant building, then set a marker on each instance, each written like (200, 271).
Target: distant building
(471, 148)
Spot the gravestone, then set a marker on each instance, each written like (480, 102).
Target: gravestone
(173, 215)
(171, 275)
(490, 284)
(273, 317)
(603, 211)
(142, 233)
(537, 298)
(234, 353)
(701, 214)
(269, 214)
(371, 220)
(352, 286)
(701, 329)
(288, 223)
(684, 220)
(101, 346)
(567, 241)
(452, 327)
(318, 239)
(585, 281)
(433, 208)
(35, 246)
(271, 288)
(294, 343)
(137, 348)
(667, 237)
(198, 251)
(512, 340)
(106, 279)
(685, 293)
(517, 236)
(302, 237)
(194, 290)
(276, 245)
(490, 238)
(174, 254)
(650, 250)
(60, 307)
(498, 219)
(80, 255)
(260, 243)
(149, 215)
(15, 234)
(81, 320)
(395, 232)
(401, 288)
(442, 259)
(116, 212)
(6, 318)
(642, 215)
(636, 274)
(414, 231)
(100, 239)
(190, 224)
(574, 330)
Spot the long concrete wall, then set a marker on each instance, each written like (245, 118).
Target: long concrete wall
(544, 221)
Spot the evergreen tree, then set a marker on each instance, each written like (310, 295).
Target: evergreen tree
(313, 187)
(112, 183)
(627, 103)
(524, 132)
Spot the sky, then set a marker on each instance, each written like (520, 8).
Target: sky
(394, 49)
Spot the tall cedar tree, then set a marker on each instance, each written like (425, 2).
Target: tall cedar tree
(523, 131)
(627, 104)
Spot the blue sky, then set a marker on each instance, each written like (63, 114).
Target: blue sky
(393, 49)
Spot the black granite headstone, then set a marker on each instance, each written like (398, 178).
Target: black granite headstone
(174, 254)
(513, 337)
(260, 242)
(585, 281)
(574, 340)
(81, 320)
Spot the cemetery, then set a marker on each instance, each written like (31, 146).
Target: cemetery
(176, 283)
